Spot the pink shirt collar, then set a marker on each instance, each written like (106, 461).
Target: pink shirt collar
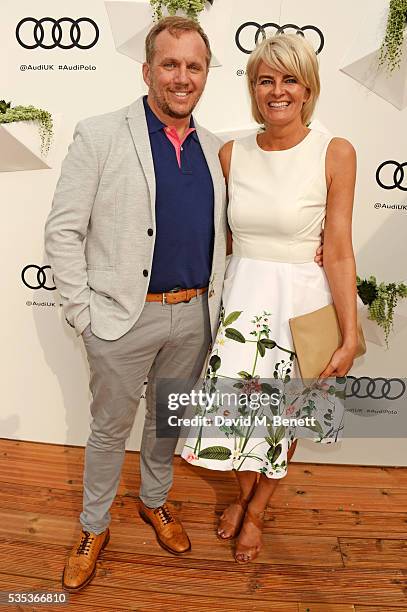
(173, 137)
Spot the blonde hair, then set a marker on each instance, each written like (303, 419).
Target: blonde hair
(175, 26)
(292, 54)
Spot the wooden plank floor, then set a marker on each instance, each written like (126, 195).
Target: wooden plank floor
(335, 539)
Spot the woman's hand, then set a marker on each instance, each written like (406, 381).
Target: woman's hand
(341, 362)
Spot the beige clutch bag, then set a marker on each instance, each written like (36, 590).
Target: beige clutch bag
(316, 336)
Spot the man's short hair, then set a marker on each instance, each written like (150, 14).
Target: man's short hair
(175, 26)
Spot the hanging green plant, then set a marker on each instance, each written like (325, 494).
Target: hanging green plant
(391, 50)
(191, 8)
(10, 114)
(4, 106)
(381, 300)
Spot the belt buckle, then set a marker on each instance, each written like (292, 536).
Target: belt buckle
(175, 290)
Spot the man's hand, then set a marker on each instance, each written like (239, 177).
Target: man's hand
(319, 255)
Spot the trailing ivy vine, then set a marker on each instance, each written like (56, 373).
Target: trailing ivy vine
(391, 50)
(191, 8)
(381, 300)
(10, 114)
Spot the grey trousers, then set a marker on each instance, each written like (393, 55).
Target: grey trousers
(167, 341)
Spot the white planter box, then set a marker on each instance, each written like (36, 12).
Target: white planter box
(373, 333)
(362, 60)
(130, 23)
(20, 147)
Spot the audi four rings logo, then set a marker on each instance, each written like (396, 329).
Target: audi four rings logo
(64, 33)
(375, 388)
(393, 179)
(36, 277)
(253, 29)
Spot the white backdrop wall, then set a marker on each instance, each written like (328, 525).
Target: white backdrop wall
(45, 393)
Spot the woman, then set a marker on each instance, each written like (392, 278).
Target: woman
(284, 183)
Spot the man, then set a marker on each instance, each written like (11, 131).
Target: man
(142, 189)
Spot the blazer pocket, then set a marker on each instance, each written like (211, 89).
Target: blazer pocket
(102, 268)
(100, 281)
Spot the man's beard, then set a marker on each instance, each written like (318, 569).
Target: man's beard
(163, 105)
(166, 108)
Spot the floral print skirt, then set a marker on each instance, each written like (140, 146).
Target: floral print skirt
(253, 353)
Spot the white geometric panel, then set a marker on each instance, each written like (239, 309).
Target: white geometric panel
(362, 61)
(20, 147)
(131, 21)
(319, 127)
(391, 87)
(236, 134)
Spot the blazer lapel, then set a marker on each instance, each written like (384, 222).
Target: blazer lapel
(138, 128)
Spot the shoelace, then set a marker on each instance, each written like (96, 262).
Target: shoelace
(164, 514)
(85, 543)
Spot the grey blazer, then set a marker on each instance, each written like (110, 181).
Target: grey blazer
(96, 235)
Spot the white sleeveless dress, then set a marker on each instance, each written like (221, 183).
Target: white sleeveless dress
(277, 205)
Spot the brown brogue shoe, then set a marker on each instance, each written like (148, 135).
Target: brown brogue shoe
(168, 528)
(81, 564)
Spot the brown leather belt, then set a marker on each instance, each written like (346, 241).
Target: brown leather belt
(175, 296)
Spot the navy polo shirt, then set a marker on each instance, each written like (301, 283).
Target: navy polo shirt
(184, 211)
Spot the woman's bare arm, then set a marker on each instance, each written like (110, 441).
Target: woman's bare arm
(339, 260)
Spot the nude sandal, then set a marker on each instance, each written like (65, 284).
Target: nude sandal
(251, 552)
(225, 524)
